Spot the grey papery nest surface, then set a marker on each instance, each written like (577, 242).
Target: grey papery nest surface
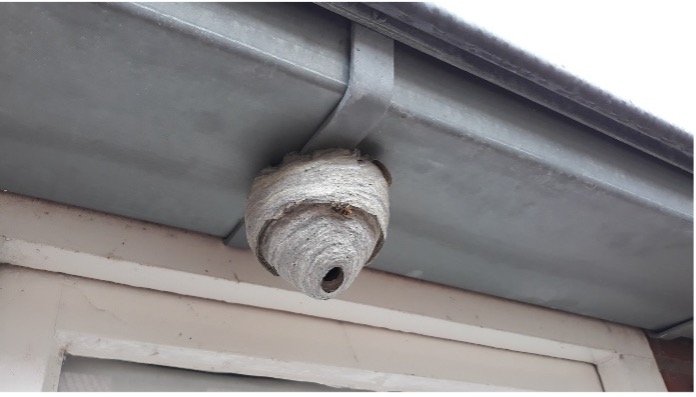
(317, 219)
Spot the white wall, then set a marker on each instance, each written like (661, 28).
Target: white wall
(141, 285)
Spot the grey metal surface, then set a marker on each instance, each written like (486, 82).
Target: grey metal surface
(237, 237)
(683, 330)
(169, 118)
(367, 97)
(162, 112)
(497, 195)
(435, 31)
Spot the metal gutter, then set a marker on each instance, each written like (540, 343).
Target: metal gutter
(166, 113)
(440, 34)
(681, 330)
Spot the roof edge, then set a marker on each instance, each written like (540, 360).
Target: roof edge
(442, 35)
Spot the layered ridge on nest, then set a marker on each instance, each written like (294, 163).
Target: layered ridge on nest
(317, 219)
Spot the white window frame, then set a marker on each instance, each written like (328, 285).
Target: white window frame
(162, 265)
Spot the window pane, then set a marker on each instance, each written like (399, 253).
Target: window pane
(97, 375)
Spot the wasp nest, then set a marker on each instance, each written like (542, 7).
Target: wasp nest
(317, 219)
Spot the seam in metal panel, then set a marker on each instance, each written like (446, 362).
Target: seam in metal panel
(475, 51)
(206, 35)
(363, 105)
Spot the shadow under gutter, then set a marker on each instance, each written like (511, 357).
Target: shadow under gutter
(442, 35)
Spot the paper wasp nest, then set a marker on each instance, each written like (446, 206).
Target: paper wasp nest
(317, 219)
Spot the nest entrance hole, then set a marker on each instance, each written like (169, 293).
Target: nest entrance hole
(332, 279)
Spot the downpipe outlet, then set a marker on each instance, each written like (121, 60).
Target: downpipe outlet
(317, 219)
